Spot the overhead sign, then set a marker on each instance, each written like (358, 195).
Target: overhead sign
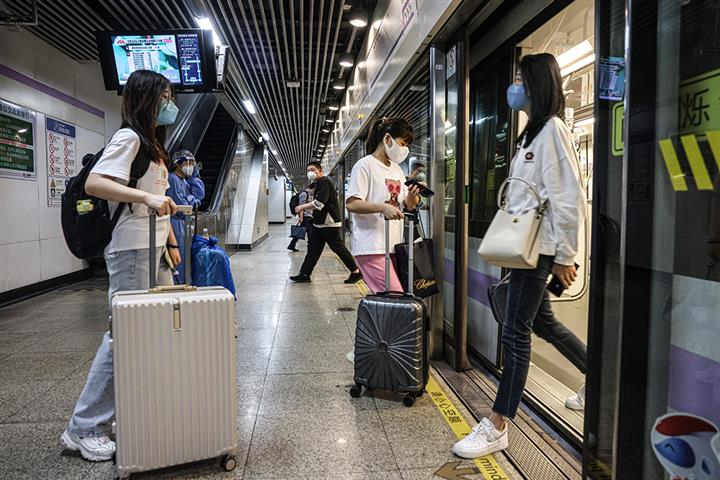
(17, 142)
(61, 158)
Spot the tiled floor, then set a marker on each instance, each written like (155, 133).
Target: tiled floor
(296, 418)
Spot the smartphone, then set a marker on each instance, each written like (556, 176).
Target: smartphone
(424, 191)
(555, 286)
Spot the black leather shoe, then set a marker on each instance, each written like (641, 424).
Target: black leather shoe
(301, 279)
(354, 278)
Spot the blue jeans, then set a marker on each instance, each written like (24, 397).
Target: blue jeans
(528, 310)
(127, 270)
(177, 223)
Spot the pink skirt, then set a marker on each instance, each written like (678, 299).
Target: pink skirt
(373, 270)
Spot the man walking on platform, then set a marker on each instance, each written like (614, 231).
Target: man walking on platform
(325, 228)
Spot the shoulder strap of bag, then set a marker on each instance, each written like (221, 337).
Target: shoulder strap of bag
(542, 206)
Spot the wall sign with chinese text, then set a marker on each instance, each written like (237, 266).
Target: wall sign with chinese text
(61, 158)
(17, 142)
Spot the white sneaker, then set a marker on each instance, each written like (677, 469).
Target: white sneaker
(350, 357)
(577, 401)
(96, 449)
(483, 440)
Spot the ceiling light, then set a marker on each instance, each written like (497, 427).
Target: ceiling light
(329, 120)
(346, 60)
(274, 152)
(292, 83)
(417, 88)
(266, 136)
(338, 84)
(326, 130)
(334, 107)
(249, 106)
(584, 62)
(22, 130)
(575, 53)
(358, 18)
(205, 24)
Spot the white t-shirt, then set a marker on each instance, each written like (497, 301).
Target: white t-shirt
(550, 164)
(373, 181)
(132, 231)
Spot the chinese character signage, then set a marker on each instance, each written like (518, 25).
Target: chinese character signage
(61, 158)
(700, 103)
(17, 142)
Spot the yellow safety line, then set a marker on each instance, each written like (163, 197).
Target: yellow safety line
(697, 164)
(714, 141)
(488, 466)
(362, 286)
(677, 177)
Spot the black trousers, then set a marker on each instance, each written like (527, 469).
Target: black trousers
(317, 238)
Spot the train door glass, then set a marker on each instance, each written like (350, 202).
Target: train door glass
(489, 160)
(450, 193)
(570, 36)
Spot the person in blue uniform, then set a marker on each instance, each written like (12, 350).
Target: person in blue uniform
(186, 188)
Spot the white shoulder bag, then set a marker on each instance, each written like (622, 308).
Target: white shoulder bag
(512, 241)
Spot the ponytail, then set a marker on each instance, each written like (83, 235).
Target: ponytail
(397, 128)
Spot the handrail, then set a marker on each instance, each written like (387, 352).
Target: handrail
(224, 172)
(177, 133)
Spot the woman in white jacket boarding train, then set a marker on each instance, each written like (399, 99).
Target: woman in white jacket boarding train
(546, 159)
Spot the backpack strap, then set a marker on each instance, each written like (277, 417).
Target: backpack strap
(139, 167)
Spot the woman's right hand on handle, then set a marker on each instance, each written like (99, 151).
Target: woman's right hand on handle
(161, 204)
(391, 212)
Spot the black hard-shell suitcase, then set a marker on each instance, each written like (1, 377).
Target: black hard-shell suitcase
(391, 342)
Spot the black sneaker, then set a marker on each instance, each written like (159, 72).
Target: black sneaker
(301, 278)
(354, 278)
(292, 248)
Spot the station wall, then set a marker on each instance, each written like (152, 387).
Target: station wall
(36, 76)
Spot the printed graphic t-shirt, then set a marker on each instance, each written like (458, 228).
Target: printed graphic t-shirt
(373, 181)
(132, 231)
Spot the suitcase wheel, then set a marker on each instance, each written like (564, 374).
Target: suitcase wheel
(356, 391)
(229, 462)
(409, 400)
(420, 393)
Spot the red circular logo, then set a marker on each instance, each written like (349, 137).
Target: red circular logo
(529, 156)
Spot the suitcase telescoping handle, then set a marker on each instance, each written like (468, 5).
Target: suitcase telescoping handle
(410, 221)
(186, 210)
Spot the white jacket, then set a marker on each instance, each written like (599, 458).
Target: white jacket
(551, 165)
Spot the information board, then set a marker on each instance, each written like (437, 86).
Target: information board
(17, 142)
(61, 158)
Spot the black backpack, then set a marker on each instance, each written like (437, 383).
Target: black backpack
(294, 202)
(86, 221)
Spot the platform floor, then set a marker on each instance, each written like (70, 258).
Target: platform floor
(296, 418)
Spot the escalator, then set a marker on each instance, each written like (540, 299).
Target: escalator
(213, 151)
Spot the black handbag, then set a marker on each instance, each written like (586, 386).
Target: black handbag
(497, 295)
(424, 282)
(298, 231)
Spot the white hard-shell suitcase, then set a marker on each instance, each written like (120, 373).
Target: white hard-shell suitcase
(175, 375)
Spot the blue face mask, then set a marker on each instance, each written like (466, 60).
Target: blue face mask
(516, 97)
(168, 113)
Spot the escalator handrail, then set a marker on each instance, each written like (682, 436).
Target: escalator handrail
(224, 172)
(190, 116)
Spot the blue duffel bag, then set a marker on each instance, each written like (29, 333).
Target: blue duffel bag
(210, 264)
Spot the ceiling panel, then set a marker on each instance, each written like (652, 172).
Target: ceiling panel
(271, 42)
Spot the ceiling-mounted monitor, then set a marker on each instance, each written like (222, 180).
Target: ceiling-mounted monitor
(185, 57)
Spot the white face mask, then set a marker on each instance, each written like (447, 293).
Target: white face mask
(188, 170)
(311, 176)
(395, 152)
